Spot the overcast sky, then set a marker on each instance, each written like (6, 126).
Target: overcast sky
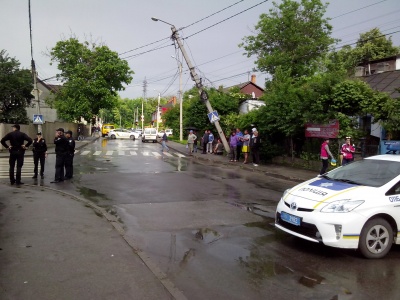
(125, 25)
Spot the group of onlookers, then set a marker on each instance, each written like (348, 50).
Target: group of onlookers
(238, 143)
(347, 151)
(245, 143)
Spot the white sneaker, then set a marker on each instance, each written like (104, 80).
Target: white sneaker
(255, 165)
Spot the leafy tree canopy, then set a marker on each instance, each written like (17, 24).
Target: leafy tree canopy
(15, 90)
(92, 75)
(294, 35)
(371, 45)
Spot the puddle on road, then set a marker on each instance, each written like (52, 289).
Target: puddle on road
(207, 235)
(92, 195)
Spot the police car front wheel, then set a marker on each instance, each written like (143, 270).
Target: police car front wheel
(376, 238)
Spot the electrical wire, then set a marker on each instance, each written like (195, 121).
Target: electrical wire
(226, 19)
(357, 9)
(211, 15)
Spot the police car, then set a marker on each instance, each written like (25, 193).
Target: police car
(356, 206)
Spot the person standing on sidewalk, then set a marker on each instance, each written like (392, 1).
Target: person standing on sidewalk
(39, 155)
(17, 151)
(325, 153)
(239, 135)
(164, 141)
(246, 146)
(69, 157)
(255, 143)
(204, 142)
(195, 143)
(61, 150)
(233, 141)
(210, 142)
(191, 138)
(347, 151)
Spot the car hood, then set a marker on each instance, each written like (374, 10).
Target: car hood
(311, 194)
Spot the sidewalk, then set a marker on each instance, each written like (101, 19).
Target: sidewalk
(57, 246)
(279, 171)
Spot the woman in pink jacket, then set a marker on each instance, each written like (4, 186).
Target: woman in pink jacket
(347, 151)
(325, 153)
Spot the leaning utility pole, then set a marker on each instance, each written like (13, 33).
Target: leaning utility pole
(199, 85)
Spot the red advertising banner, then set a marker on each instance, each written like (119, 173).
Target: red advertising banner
(330, 130)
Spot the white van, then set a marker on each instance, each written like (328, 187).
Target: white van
(168, 132)
(149, 134)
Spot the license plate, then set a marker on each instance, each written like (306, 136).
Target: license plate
(290, 218)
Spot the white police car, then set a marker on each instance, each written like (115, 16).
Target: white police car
(356, 206)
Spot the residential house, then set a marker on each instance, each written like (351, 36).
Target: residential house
(382, 75)
(45, 91)
(253, 91)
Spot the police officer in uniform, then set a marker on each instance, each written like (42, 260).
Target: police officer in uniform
(17, 151)
(39, 155)
(69, 158)
(61, 150)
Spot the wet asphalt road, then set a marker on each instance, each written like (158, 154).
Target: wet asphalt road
(210, 229)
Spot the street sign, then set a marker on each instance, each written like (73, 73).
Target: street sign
(38, 119)
(330, 130)
(213, 116)
(33, 93)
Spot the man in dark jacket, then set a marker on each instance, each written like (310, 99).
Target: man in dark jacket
(17, 151)
(39, 154)
(255, 143)
(61, 150)
(204, 142)
(69, 157)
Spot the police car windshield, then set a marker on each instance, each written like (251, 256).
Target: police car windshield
(369, 172)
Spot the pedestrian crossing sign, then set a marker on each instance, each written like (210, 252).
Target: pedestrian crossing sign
(37, 119)
(213, 116)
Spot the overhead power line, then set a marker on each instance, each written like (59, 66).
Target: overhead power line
(144, 46)
(212, 14)
(349, 12)
(226, 19)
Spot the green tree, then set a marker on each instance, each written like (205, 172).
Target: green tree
(371, 45)
(15, 90)
(294, 35)
(91, 75)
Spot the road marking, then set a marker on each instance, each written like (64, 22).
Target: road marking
(180, 155)
(167, 154)
(121, 152)
(146, 153)
(133, 153)
(97, 153)
(110, 152)
(156, 154)
(85, 152)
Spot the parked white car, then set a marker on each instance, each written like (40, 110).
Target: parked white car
(356, 206)
(120, 133)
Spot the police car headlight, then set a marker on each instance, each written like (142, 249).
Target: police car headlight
(341, 206)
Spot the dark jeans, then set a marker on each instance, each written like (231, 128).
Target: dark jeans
(69, 167)
(324, 166)
(36, 158)
(16, 156)
(60, 162)
(347, 161)
(238, 152)
(204, 147)
(256, 155)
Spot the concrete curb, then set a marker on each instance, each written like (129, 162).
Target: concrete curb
(151, 265)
